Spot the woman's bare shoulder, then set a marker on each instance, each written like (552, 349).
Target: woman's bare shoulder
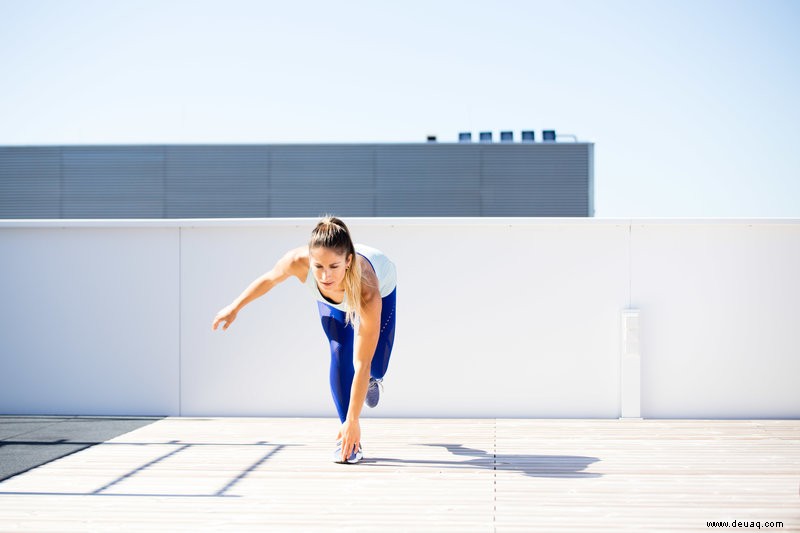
(299, 254)
(295, 262)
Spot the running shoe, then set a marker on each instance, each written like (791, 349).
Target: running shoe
(373, 392)
(353, 459)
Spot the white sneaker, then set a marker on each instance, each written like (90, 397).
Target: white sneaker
(353, 459)
(373, 392)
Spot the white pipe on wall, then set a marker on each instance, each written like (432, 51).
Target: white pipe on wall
(630, 358)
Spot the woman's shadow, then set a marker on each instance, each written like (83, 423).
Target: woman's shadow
(555, 466)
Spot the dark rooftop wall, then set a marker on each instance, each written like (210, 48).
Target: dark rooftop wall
(297, 180)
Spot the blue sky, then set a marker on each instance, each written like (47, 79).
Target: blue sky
(692, 105)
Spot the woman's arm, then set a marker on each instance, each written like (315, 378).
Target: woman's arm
(291, 264)
(364, 349)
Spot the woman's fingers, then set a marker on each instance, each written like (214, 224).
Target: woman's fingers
(226, 319)
(349, 447)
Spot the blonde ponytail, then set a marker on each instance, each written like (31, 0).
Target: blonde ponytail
(332, 233)
(352, 288)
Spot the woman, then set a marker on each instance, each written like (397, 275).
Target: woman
(354, 284)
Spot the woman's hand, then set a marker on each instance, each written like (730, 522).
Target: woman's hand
(351, 437)
(227, 315)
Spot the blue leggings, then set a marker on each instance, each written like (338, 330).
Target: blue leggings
(341, 335)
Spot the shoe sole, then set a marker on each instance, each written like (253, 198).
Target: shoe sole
(348, 462)
(368, 400)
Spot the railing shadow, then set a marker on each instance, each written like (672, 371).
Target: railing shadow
(179, 447)
(548, 466)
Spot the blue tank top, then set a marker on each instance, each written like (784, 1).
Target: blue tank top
(383, 267)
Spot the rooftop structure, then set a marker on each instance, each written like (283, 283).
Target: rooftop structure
(431, 179)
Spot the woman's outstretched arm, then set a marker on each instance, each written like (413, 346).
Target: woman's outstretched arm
(293, 263)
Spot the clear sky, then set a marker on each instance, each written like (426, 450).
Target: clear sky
(693, 106)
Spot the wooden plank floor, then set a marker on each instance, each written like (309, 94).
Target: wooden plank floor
(260, 474)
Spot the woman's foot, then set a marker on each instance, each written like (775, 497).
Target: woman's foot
(373, 392)
(353, 459)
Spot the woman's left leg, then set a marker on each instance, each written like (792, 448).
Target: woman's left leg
(383, 351)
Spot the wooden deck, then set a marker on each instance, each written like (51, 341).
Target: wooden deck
(259, 474)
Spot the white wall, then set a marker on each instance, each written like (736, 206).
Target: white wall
(88, 320)
(721, 318)
(517, 317)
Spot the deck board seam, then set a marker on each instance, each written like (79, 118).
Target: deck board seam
(494, 474)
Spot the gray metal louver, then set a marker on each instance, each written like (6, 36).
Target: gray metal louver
(297, 180)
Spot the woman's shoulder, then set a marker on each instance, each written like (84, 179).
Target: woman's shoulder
(295, 262)
(299, 254)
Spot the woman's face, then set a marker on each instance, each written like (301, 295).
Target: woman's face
(328, 267)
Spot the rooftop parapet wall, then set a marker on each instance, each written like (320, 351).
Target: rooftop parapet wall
(496, 317)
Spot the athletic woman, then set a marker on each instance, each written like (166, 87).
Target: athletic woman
(353, 285)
